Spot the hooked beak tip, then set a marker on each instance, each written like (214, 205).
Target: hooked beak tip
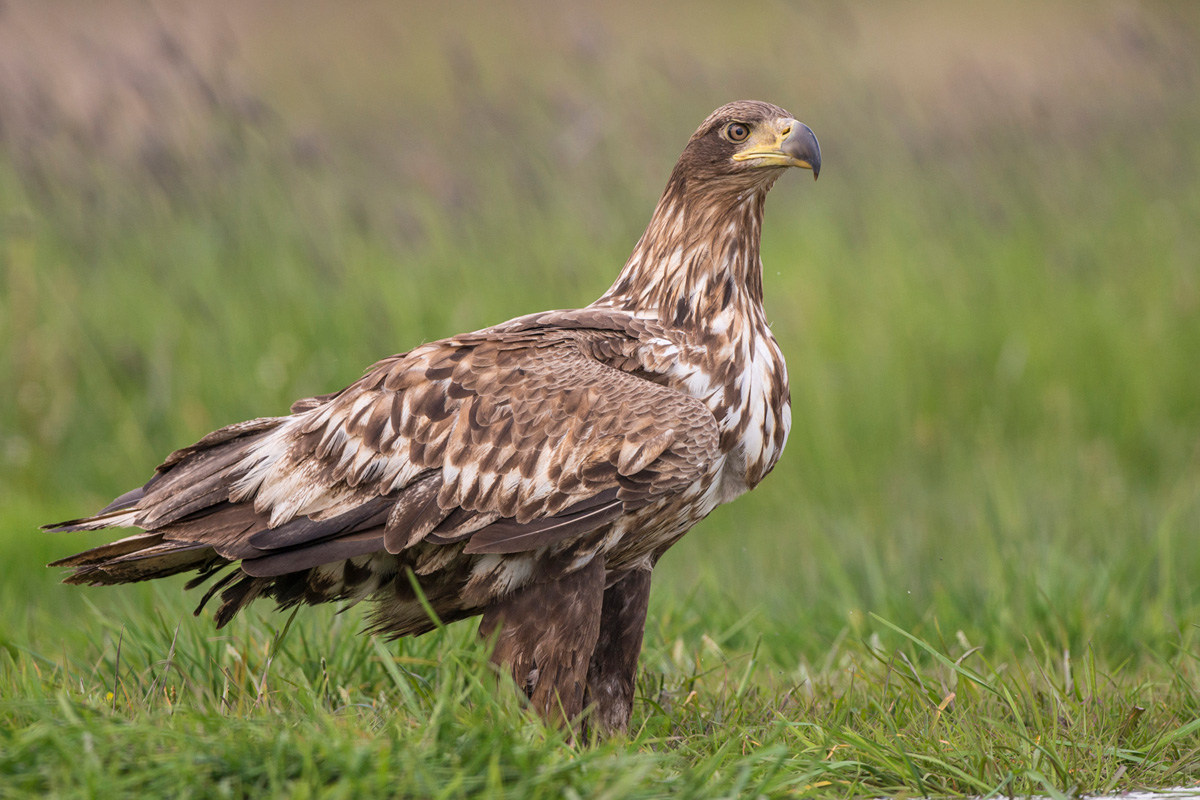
(801, 144)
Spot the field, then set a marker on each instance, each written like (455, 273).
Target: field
(976, 569)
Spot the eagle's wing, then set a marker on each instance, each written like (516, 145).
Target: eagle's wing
(511, 438)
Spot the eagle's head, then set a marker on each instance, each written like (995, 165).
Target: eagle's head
(748, 143)
(700, 252)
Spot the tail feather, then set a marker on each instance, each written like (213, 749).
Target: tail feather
(155, 561)
(191, 525)
(190, 481)
(113, 519)
(190, 485)
(105, 552)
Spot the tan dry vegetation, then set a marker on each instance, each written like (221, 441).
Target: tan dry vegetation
(421, 80)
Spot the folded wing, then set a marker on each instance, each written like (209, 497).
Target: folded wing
(506, 440)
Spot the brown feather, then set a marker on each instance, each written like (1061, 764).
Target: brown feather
(105, 552)
(510, 536)
(305, 530)
(314, 555)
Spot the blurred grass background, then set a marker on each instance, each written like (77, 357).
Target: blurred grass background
(990, 306)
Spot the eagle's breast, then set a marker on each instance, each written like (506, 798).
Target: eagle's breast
(737, 370)
(751, 403)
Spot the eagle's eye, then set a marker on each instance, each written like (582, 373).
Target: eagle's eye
(737, 131)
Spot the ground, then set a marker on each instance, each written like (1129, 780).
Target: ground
(974, 569)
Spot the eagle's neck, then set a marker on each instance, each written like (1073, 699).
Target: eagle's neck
(698, 260)
(697, 268)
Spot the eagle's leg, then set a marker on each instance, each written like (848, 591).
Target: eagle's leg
(612, 675)
(547, 634)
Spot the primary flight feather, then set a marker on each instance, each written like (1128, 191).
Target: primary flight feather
(532, 472)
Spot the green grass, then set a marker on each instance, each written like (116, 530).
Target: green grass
(975, 570)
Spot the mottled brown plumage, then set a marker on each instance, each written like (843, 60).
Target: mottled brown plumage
(532, 472)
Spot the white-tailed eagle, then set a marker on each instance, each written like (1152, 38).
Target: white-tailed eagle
(532, 472)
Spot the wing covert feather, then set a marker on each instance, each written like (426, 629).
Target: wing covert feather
(518, 423)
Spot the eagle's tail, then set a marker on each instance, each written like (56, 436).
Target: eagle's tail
(140, 557)
(189, 494)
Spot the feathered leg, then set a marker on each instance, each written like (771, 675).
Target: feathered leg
(547, 634)
(612, 674)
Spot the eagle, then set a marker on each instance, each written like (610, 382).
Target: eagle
(531, 473)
